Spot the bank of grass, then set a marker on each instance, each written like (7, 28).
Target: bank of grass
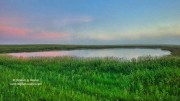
(91, 79)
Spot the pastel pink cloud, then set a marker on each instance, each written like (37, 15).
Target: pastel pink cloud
(51, 35)
(24, 33)
(11, 20)
(11, 28)
(13, 31)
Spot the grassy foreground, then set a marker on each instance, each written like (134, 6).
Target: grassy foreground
(78, 79)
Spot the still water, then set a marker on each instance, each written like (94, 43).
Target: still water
(115, 52)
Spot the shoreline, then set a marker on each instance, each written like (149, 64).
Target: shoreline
(174, 49)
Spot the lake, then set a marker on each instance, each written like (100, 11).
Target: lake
(113, 52)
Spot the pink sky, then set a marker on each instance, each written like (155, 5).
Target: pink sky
(9, 28)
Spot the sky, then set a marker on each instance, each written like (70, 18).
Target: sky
(90, 22)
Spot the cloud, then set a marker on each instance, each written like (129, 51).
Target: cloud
(19, 33)
(156, 32)
(72, 20)
(15, 28)
(50, 36)
(13, 31)
(160, 32)
(77, 20)
(4, 20)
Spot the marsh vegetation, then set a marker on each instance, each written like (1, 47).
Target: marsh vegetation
(90, 79)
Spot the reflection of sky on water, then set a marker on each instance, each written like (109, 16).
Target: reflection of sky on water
(120, 53)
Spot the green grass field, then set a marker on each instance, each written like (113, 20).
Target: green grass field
(90, 79)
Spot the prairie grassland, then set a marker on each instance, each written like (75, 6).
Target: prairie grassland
(90, 79)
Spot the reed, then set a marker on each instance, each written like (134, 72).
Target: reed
(91, 79)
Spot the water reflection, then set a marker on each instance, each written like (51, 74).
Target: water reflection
(117, 52)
